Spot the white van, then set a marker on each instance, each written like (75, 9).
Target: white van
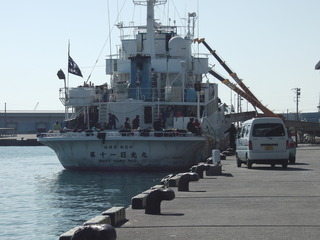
(262, 141)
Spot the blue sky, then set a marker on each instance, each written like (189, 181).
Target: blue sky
(272, 45)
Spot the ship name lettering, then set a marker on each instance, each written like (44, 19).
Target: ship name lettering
(122, 155)
(116, 147)
(104, 160)
(119, 160)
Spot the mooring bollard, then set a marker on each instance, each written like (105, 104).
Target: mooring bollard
(214, 170)
(165, 180)
(171, 180)
(68, 235)
(185, 179)
(193, 168)
(95, 232)
(174, 181)
(201, 168)
(155, 197)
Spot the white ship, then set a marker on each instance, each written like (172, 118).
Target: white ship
(155, 75)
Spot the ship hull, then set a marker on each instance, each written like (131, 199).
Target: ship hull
(127, 153)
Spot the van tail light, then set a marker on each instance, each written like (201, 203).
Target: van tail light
(250, 145)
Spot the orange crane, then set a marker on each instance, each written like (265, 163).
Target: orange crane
(253, 101)
(245, 93)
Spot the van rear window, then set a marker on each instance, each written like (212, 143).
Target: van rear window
(268, 130)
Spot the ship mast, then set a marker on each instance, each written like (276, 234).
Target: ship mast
(150, 43)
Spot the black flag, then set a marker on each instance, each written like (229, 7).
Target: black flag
(73, 68)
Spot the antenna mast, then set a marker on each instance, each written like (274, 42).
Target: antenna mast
(150, 43)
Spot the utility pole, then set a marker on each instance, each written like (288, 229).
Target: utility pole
(298, 92)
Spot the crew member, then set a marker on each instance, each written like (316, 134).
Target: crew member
(57, 126)
(136, 122)
(157, 125)
(113, 121)
(191, 127)
(232, 135)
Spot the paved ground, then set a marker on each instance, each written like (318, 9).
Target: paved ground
(257, 203)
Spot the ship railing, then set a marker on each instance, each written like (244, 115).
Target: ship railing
(170, 94)
(62, 134)
(152, 133)
(114, 133)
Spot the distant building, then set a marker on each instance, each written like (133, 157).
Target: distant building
(304, 117)
(29, 122)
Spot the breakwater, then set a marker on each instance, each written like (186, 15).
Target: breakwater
(20, 140)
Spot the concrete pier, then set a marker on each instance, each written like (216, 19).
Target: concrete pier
(257, 203)
(20, 140)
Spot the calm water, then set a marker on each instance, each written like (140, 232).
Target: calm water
(41, 200)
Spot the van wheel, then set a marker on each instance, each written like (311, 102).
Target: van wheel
(284, 165)
(273, 165)
(292, 160)
(238, 161)
(249, 164)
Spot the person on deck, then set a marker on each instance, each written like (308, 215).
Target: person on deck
(157, 125)
(197, 125)
(57, 126)
(136, 122)
(191, 127)
(113, 121)
(127, 124)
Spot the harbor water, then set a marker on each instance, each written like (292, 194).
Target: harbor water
(41, 200)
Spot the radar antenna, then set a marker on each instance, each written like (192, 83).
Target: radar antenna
(145, 2)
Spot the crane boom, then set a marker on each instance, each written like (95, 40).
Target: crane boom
(245, 93)
(253, 101)
(225, 66)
